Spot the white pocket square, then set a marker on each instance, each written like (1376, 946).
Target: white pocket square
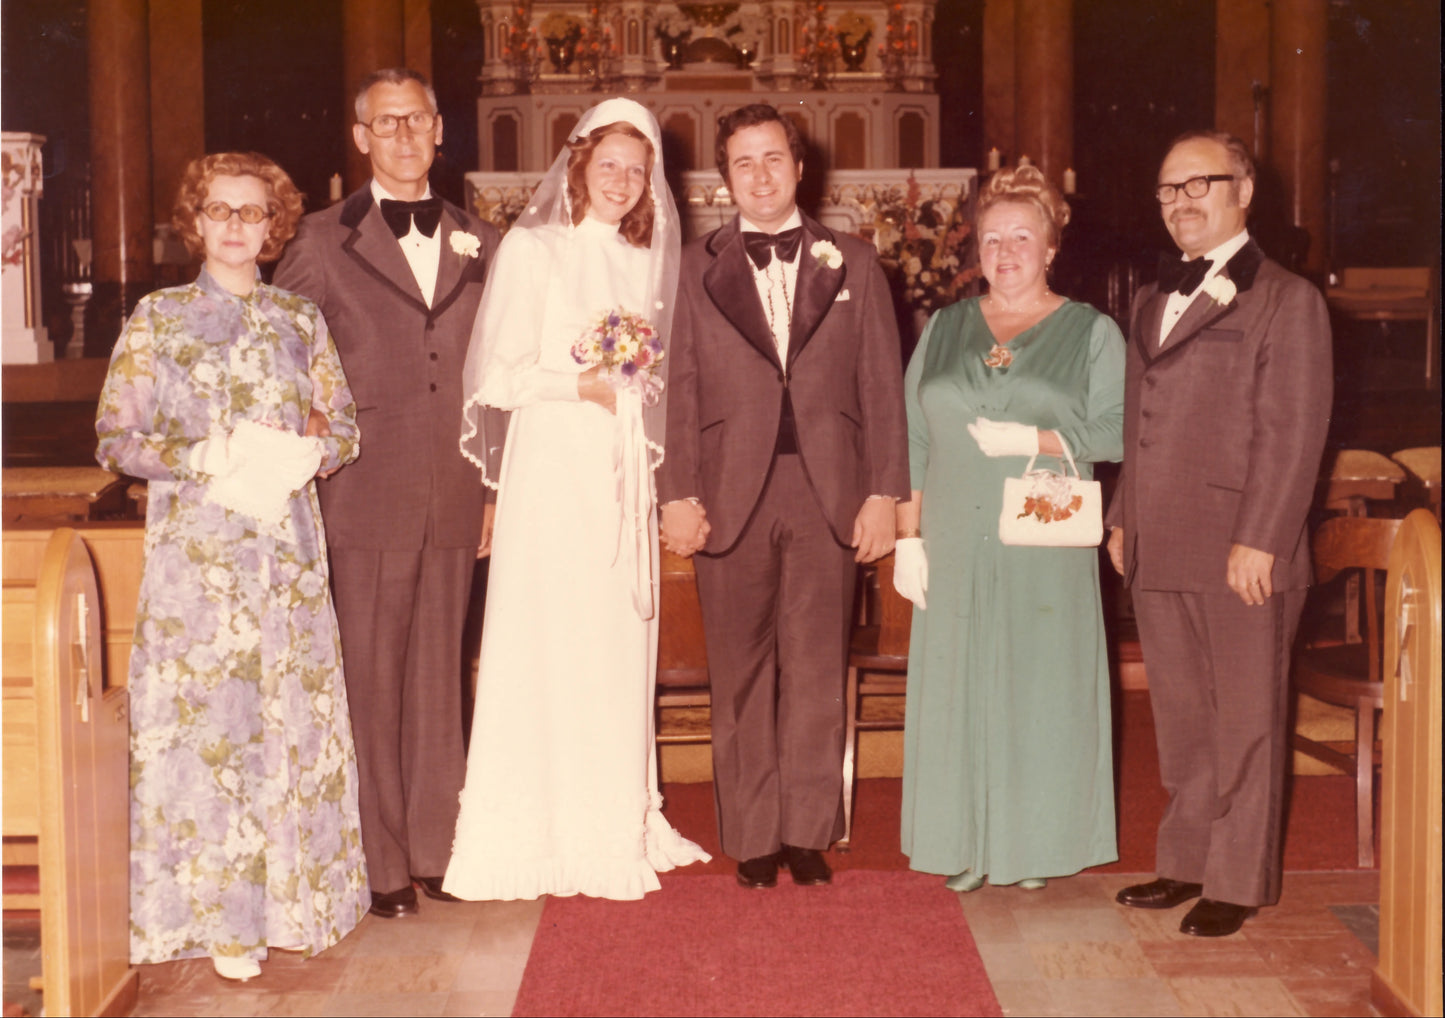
(842, 295)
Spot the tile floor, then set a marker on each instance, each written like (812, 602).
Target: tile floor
(1065, 950)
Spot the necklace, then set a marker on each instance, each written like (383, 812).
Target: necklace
(1039, 303)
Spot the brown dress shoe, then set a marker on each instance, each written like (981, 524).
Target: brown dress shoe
(394, 904)
(806, 865)
(432, 888)
(1210, 918)
(759, 872)
(1160, 893)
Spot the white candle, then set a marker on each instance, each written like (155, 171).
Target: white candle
(336, 187)
(1071, 181)
(1025, 161)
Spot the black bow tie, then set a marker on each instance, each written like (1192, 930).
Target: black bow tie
(762, 245)
(399, 215)
(1183, 277)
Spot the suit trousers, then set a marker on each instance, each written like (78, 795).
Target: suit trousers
(401, 615)
(1219, 685)
(776, 614)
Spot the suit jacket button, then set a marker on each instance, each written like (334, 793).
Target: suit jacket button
(1150, 381)
(1144, 443)
(433, 387)
(433, 355)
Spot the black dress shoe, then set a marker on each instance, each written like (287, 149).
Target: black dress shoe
(432, 888)
(806, 865)
(1160, 893)
(394, 904)
(759, 872)
(1210, 918)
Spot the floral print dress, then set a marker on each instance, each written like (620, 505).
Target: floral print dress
(243, 819)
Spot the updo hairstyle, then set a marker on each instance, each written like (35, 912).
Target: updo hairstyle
(283, 199)
(636, 226)
(1026, 185)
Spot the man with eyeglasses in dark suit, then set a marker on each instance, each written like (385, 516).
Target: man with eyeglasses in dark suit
(398, 273)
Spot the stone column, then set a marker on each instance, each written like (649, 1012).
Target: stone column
(1241, 72)
(1299, 31)
(178, 117)
(1044, 84)
(373, 36)
(120, 152)
(998, 79)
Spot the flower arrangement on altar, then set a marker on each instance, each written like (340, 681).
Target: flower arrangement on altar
(501, 207)
(561, 27)
(629, 350)
(923, 245)
(674, 25)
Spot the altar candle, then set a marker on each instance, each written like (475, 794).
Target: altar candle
(993, 158)
(1071, 181)
(336, 187)
(1025, 161)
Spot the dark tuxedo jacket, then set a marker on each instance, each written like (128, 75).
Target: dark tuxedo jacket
(410, 486)
(1223, 429)
(729, 395)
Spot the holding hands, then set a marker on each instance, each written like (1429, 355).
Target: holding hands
(684, 526)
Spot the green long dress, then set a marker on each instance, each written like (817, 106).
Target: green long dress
(1008, 769)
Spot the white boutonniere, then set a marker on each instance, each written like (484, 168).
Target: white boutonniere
(468, 245)
(829, 257)
(1221, 289)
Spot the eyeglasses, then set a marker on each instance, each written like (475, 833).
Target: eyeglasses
(386, 125)
(1194, 187)
(219, 212)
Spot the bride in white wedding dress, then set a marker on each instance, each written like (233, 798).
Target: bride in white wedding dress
(561, 791)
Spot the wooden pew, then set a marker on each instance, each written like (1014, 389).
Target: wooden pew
(66, 764)
(1407, 980)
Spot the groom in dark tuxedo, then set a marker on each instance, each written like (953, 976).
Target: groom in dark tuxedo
(786, 450)
(398, 273)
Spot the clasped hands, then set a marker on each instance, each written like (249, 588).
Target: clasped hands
(684, 526)
(254, 468)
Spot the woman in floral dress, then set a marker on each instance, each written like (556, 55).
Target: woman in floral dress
(244, 830)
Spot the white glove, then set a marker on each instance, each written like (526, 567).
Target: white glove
(910, 569)
(213, 456)
(272, 465)
(1004, 438)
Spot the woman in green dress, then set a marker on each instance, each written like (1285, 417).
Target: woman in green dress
(1008, 770)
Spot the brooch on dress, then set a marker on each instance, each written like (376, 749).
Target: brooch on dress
(998, 357)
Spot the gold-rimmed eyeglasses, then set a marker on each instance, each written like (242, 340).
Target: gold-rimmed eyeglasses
(219, 212)
(387, 124)
(1194, 187)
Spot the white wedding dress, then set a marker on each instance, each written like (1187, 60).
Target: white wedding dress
(561, 790)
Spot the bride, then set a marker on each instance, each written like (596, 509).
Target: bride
(561, 791)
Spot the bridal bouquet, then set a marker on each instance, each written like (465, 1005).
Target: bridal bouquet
(629, 350)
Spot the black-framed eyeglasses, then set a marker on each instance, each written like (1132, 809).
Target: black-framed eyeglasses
(219, 212)
(1194, 187)
(386, 124)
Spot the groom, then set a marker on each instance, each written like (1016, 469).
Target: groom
(786, 451)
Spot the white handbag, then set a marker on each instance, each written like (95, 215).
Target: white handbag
(1051, 508)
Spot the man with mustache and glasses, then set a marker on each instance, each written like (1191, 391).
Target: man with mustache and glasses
(1227, 399)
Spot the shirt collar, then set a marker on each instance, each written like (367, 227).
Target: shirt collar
(378, 192)
(1231, 247)
(796, 219)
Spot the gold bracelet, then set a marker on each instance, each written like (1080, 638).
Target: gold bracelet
(902, 534)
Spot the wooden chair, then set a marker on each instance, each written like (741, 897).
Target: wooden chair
(681, 653)
(1423, 464)
(1349, 674)
(1358, 476)
(877, 666)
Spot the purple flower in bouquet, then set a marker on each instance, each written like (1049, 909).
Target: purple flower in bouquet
(628, 349)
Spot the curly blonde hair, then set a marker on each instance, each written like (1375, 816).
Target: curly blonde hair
(283, 199)
(1027, 185)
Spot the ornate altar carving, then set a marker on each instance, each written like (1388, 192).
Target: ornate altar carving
(24, 336)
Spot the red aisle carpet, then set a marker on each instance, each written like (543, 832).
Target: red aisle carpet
(872, 943)
(1319, 827)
